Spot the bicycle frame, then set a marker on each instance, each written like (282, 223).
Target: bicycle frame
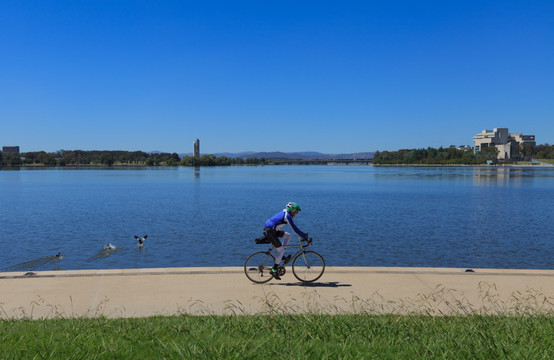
(297, 253)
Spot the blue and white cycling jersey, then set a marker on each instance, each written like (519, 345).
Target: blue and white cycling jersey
(281, 219)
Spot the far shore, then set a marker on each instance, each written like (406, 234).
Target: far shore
(543, 163)
(465, 165)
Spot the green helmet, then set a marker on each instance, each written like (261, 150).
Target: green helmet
(292, 206)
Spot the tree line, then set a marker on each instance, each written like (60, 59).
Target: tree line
(111, 158)
(455, 156)
(544, 151)
(429, 156)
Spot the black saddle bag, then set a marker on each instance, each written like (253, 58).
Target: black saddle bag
(262, 240)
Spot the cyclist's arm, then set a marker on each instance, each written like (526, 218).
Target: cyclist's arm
(294, 228)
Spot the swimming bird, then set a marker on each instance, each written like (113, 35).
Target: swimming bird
(141, 239)
(109, 247)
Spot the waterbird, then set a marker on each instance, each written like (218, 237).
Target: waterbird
(141, 239)
(109, 247)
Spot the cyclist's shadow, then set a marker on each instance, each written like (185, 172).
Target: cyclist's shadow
(333, 284)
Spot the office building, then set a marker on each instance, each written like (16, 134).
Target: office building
(14, 150)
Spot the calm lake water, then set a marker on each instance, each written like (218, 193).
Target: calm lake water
(461, 217)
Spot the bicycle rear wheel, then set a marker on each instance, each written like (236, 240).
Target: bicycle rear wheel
(308, 266)
(258, 266)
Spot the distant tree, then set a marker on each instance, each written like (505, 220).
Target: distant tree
(125, 157)
(489, 152)
(252, 161)
(207, 160)
(526, 150)
(106, 158)
(542, 151)
(188, 161)
(50, 161)
(172, 162)
(12, 160)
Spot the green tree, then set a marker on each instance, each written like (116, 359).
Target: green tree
(50, 161)
(172, 162)
(186, 161)
(106, 158)
(526, 150)
(489, 152)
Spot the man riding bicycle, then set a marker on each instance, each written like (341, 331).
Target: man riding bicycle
(272, 230)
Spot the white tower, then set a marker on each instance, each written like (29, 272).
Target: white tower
(196, 152)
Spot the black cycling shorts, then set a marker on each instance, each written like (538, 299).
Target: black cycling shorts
(274, 235)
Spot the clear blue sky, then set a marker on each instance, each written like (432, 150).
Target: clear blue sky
(328, 76)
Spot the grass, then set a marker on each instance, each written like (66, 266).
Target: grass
(522, 327)
(307, 336)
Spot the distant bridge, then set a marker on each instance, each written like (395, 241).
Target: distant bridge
(321, 162)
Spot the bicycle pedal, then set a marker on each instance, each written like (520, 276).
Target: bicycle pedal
(275, 274)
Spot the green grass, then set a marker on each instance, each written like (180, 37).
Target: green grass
(309, 336)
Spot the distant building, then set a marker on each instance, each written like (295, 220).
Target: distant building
(10, 150)
(196, 152)
(506, 143)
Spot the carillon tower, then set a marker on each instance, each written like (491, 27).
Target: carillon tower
(196, 152)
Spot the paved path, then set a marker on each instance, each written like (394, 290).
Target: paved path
(146, 292)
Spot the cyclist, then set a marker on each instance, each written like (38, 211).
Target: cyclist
(272, 230)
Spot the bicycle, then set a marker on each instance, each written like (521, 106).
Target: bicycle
(307, 266)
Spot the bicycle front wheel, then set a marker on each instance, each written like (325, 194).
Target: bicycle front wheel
(258, 267)
(308, 266)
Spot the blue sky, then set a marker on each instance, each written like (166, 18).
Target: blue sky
(328, 76)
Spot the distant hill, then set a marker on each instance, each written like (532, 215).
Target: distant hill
(309, 155)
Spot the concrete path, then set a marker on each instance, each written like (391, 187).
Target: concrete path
(169, 291)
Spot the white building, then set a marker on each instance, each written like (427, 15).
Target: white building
(508, 145)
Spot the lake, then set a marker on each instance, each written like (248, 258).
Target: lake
(461, 217)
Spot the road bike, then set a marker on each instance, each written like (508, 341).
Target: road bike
(307, 266)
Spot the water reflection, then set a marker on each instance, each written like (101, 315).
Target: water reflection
(500, 176)
(36, 264)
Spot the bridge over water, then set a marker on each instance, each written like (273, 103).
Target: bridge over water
(322, 162)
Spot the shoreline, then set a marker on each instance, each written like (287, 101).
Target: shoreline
(188, 270)
(115, 166)
(123, 293)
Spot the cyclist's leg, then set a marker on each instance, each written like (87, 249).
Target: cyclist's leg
(273, 235)
(286, 239)
(281, 249)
